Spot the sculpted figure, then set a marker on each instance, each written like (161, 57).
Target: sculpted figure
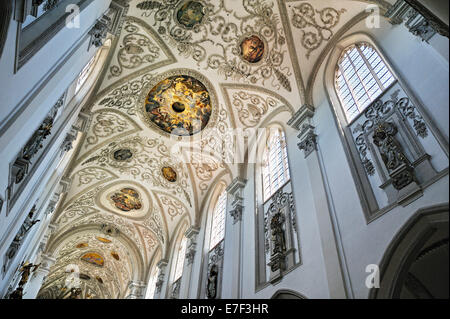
(211, 291)
(277, 234)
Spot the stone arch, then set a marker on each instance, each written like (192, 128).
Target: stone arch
(287, 294)
(428, 225)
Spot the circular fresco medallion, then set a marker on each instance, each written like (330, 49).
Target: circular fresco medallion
(179, 105)
(127, 200)
(122, 155)
(252, 49)
(169, 174)
(190, 14)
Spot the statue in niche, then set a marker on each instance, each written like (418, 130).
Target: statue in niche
(390, 149)
(392, 154)
(26, 270)
(277, 234)
(27, 225)
(36, 142)
(15, 245)
(211, 287)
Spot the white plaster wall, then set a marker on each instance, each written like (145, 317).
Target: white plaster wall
(16, 88)
(309, 278)
(426, 72)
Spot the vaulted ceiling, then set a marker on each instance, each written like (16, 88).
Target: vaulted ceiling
(131, 182)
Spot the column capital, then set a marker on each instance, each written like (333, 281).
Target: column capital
(304, 114)
(47, 262)
(192, 232)
(236, 185)
(191, 249)
(419, 25)
(137, 290)
(308, 141)
(235, 190)
(162, 264)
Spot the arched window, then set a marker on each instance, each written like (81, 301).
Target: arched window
(275, 166)
(178, 272)
(218, 220)
(152, 284)
(84, 74)
(361, 77)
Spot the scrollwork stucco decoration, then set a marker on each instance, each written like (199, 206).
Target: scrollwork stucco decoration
(149, 157)
(214, 43)
(137, 49)
(315, 29)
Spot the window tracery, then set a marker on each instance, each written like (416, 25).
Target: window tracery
(361, 77)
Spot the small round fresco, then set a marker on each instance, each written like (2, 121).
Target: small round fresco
(179, 105)
(190, 14)
(127, 200)
(252, 49)
(169, 174)
(122, 155)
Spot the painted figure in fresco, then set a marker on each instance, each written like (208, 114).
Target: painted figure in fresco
(94, 259)
(191, 14)
(169, 174)
(122, 155)
(211, 289)
(115, 255)
(127, 200)
(252, 49)
(179, 105)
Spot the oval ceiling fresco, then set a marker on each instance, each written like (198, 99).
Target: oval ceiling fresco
(190, 14)
(252, 49)
(127, 200)
(169, 174)
(179, 105)
(93, 259)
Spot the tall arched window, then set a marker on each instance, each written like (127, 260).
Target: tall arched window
(218, 220)
(361, 77)
(178, 272)
(275, 166)
(277, 247)
(152, 283)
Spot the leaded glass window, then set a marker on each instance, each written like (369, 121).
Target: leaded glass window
(361, 77)
(275, 168)
(218, 220)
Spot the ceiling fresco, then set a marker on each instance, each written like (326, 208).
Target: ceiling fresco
(180, 75)
(179, 105)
